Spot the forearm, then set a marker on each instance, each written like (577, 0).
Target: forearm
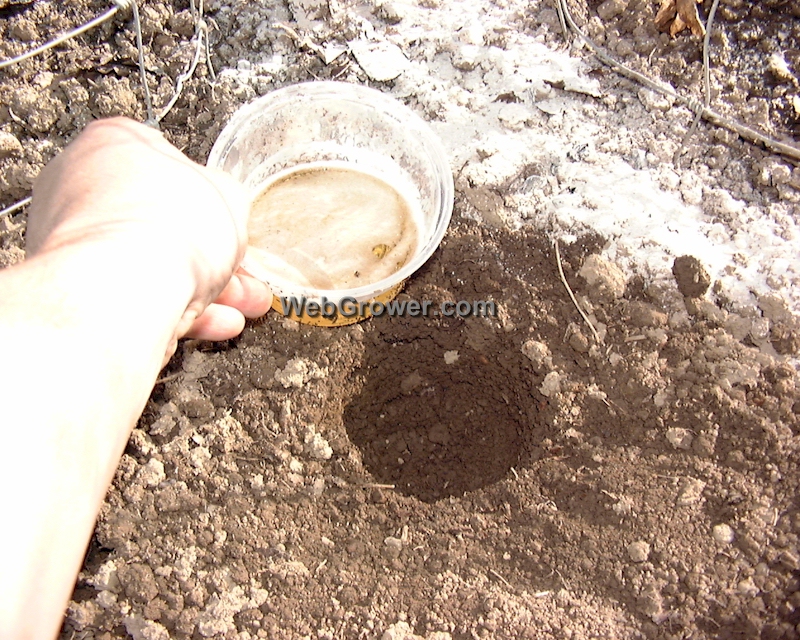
(74, 324)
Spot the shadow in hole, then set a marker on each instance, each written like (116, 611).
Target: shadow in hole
(435, 429)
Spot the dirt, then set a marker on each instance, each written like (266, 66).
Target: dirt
(514, 476)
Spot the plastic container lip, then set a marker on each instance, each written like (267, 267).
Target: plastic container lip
(389, 108)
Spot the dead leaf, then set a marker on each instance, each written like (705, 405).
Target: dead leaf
(682, 14)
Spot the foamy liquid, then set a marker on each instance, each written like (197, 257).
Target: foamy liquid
(328, 225)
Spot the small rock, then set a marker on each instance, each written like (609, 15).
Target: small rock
(297, 372)
(393, 543)
(723, 533)
(785, 339)
(747, 587)
(639, 551)
(450, 357)
(390, 12)
(603, 276)
(106, 578)
(467, 57)
(316, 446)
(774, 308)
(759, 329)
(381, 61)
(199, 457)
(152, 474)
(138, 582)
(691, 492)
(140, 629)
(538, 353)
(400, 630)
(392, 547)
(737, 326)
(790, 559)
(651, 602)
(680, 438)
(778, 67)
(9, 145)
(579, 342)
(611, 9)
(654, 101)
(692, 278)
(551, 384)
(182, 23)
(706, 310)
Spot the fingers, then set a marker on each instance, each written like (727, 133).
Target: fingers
(243, 297)
(218, 322)
(250, 296)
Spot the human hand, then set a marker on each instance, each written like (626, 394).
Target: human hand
(121, 182)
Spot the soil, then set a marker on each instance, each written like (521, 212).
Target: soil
(514, 476)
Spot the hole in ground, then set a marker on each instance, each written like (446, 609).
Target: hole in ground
(435, 429)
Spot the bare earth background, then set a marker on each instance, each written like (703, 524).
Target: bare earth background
(545, 485)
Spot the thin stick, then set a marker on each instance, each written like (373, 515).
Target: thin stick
(500, 578)
(179, 81)
(709, 114)
(572, 295)
(200, 38)
(148, 101)
(706, 82)
(62, 38)
(706, 56)
(168, 378)
(14, 207)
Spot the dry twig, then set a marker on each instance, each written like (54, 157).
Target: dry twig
(707, 113)
(572, 295)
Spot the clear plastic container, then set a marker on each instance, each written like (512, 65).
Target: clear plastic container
(342, 125)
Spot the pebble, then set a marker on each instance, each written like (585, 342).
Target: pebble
(551, 384)
(538, 353)
(603, 276)
(392, 547)
(316, 446)
(9, 145)
(393, 543)
(691, 492)
(747, 587)
(579, 342)
(722, 533)
(381, 61)
(152, 474)
(390, 12)
(680, 438)
(639, 551)
(692, 278)
(777, 65)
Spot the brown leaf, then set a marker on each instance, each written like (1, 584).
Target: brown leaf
(666, 14)
(681, 14)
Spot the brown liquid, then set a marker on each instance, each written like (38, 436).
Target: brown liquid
(330, 227)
